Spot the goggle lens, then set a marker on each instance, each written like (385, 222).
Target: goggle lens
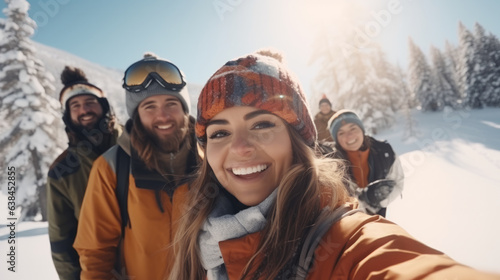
(137, 73)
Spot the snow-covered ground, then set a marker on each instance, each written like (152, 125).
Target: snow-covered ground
(452, 184)
(450, 201)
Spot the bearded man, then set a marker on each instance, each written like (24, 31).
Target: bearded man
(91, 129)
(159, 151)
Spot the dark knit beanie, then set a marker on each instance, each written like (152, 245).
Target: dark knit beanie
(343, 117)
(259, 80)
(324, 99)
(75, 83)
(133, 99)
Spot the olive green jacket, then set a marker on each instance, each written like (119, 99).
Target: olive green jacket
(66, 185)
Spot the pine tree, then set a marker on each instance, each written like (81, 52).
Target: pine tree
(479, 86)
(32, 134)
(451, 55)
(443, 81)
(488, 52)
(389, 79)
(420, 80)
(360, 79)
(358, 91)
(494, 54)
(411, 125)
(450, 72)
(326, 80)
(465, 69)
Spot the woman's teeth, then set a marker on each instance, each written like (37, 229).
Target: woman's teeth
(351, 142)
(249, 170)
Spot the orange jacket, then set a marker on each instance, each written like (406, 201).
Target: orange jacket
(146, 244)
(359, 166)
(362, 247)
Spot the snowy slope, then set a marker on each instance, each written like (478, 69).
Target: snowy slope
(452, 184)
(450, 201)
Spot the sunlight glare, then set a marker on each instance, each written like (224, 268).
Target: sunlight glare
(339, 17)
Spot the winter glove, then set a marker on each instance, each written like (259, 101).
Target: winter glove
(378, 191)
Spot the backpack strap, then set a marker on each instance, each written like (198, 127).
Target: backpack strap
(324, 223)
(122, 174)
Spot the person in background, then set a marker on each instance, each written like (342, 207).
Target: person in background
(321, 119)
(129, 215)
(264, 199)
(92, 129)
(373, 165)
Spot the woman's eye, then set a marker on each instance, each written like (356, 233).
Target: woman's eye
(264, 124)
(218, 134)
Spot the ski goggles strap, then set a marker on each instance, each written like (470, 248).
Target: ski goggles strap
(140, 75)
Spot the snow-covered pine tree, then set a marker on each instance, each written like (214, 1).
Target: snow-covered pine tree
(443, 80)
(358, 90)
(493, 47)
(352, 80)
(33, 134)
(326, 80)
(411, 125)
(479, 86)
(465, 68)
(487, 51)
(420, 79)
(451, 55)
(389, 81)
(451, 62)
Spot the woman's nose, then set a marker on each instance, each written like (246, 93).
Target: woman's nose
(242, 144)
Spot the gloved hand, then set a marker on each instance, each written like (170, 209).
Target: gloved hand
(377, 191)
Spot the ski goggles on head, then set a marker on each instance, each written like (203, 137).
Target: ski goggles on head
(140, 75)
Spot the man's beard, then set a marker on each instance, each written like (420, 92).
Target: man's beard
(170, 143)
(93, 131)
(89, 126)
(147, 144)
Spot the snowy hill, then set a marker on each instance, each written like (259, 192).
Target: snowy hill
(109, 80)
(450, 201)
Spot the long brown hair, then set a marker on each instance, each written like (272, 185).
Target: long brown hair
(300, 198)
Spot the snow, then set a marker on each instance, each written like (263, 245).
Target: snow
(21, 103)
(21, 6)
(450, 200)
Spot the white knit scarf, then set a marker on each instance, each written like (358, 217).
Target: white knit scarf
(221, 226)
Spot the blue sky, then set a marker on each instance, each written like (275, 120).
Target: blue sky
(201, 35)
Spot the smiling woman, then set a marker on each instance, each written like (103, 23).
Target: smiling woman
(249, 151)
(264, 198)
(374, 167)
